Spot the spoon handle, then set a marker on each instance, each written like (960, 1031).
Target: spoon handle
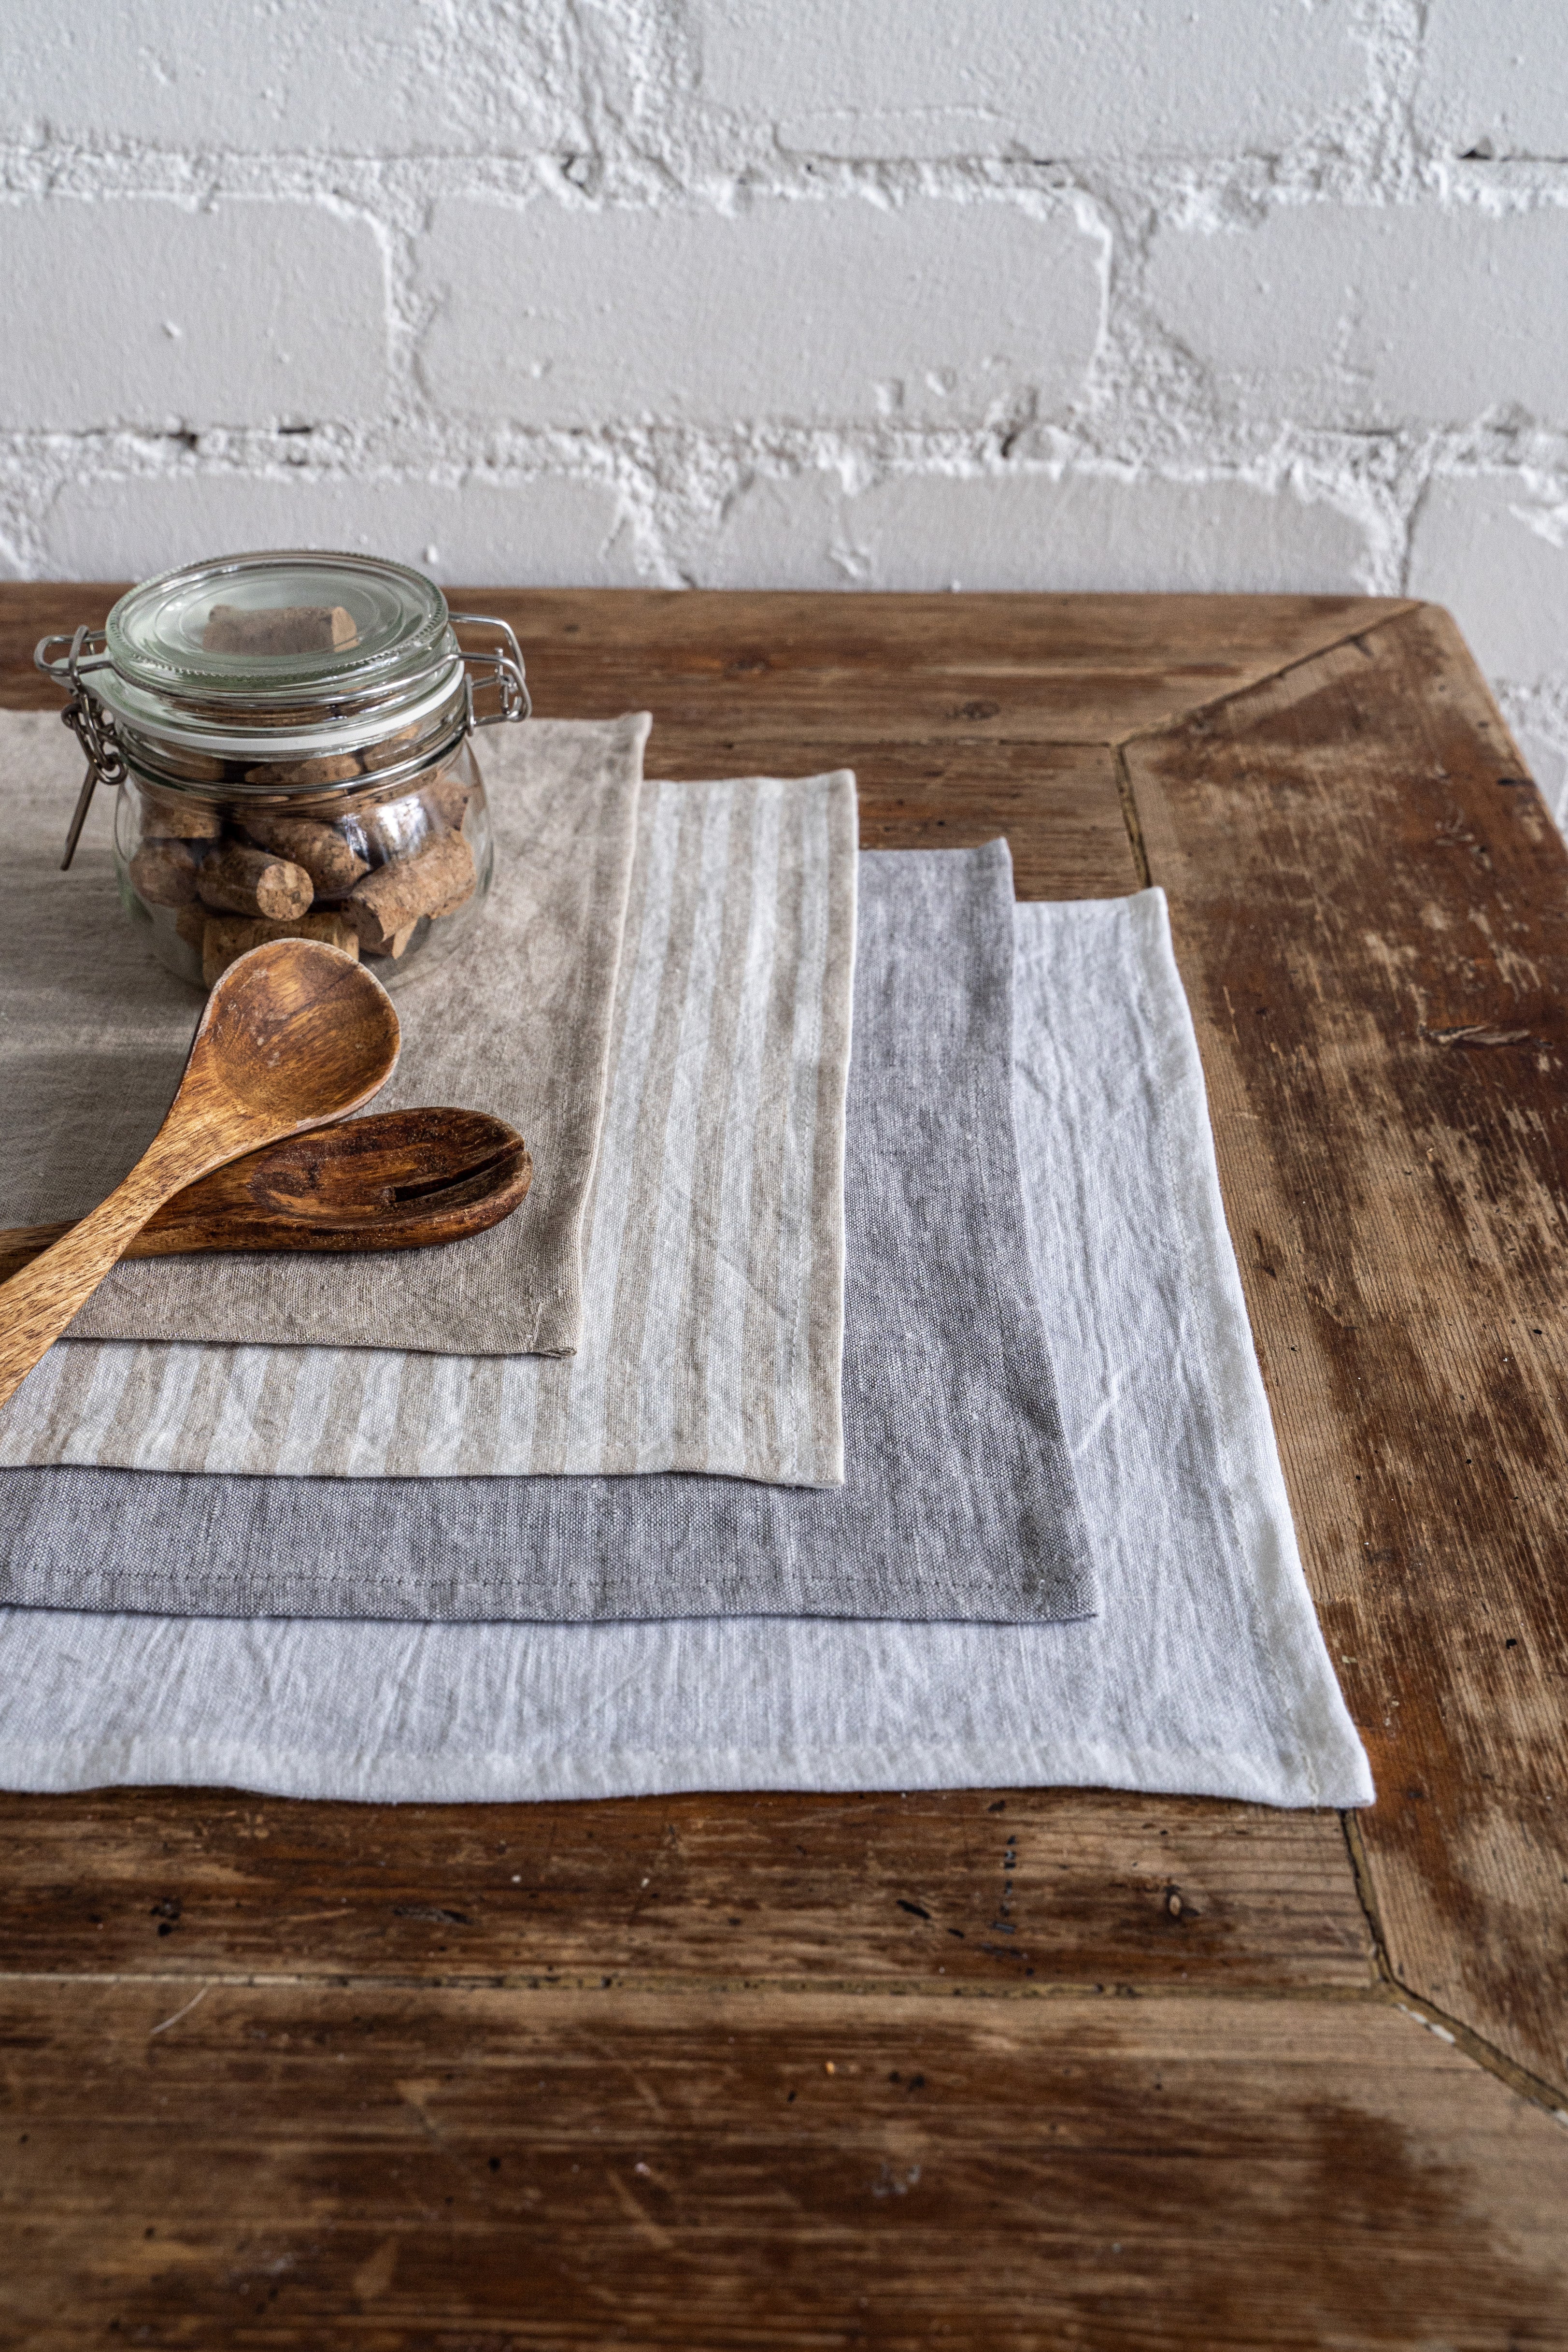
(37, 1304)
(20, 1245)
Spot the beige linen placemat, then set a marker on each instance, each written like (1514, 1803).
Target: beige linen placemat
(94, 1033)
(713, 1282)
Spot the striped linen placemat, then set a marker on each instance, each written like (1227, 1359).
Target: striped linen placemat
(713, 1277)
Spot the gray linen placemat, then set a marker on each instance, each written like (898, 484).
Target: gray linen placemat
(713, 1259)
(959, 1499)
(515, 1022)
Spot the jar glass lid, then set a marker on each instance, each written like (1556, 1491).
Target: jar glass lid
(267, 659)
(291, 624)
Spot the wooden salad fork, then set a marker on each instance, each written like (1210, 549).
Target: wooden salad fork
(295, 1036)
(399, 1180)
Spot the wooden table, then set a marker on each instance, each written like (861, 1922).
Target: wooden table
(718, 2072)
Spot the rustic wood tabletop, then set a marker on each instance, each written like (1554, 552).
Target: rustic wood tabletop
(725, 2071)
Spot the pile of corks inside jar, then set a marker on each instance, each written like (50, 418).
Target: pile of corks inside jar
(359, 870)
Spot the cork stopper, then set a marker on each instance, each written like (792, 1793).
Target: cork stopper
(278, 629)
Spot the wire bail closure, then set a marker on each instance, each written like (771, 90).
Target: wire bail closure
(504, 662)
(88, 722)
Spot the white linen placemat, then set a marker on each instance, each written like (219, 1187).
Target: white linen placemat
(1205, 1673)
(713, 1231)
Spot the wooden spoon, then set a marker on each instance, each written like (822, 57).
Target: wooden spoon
(295, 1034)
(399, 1180)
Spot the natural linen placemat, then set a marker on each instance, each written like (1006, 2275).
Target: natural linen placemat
(958, 1498)
(515, 1022)
(1206, 1672)
(713, 1257)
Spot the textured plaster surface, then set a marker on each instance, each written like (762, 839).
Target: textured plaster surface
(1237, 294)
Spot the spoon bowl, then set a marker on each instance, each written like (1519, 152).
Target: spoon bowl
(399, 1180)
(295, 1034)
(295, 1031)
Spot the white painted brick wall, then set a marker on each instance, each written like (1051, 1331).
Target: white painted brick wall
(163, 316)
(1385, 315)
(1494, 77)
(1373, 316)
(1494, 548)
(1135, 78)
(558, 532)
(549, 315)
(1237, 294)
(327, 77)
(942, 531)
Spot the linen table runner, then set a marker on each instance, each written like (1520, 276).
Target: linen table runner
(713, 1282)
(515, 1022)
(1206, 1672)
(959, 1497)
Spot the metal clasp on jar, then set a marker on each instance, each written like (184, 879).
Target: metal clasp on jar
(506, 663)
(88, 722)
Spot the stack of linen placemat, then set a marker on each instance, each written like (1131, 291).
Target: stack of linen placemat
(852, 1415)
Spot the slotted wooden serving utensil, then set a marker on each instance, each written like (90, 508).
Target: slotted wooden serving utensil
(295, 1036)
(398, 1179)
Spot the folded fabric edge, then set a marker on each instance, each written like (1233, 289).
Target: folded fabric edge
(614, 1773)
(825, 1336)
(316, 1594)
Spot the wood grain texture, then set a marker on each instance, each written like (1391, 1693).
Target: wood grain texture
(1370, 906)
(1035, 1889)
(300, 2167)
(1058, 804)
(1108, 663)
(371, 2144)
(401, 1180)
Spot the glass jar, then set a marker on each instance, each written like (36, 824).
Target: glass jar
(289, 734)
